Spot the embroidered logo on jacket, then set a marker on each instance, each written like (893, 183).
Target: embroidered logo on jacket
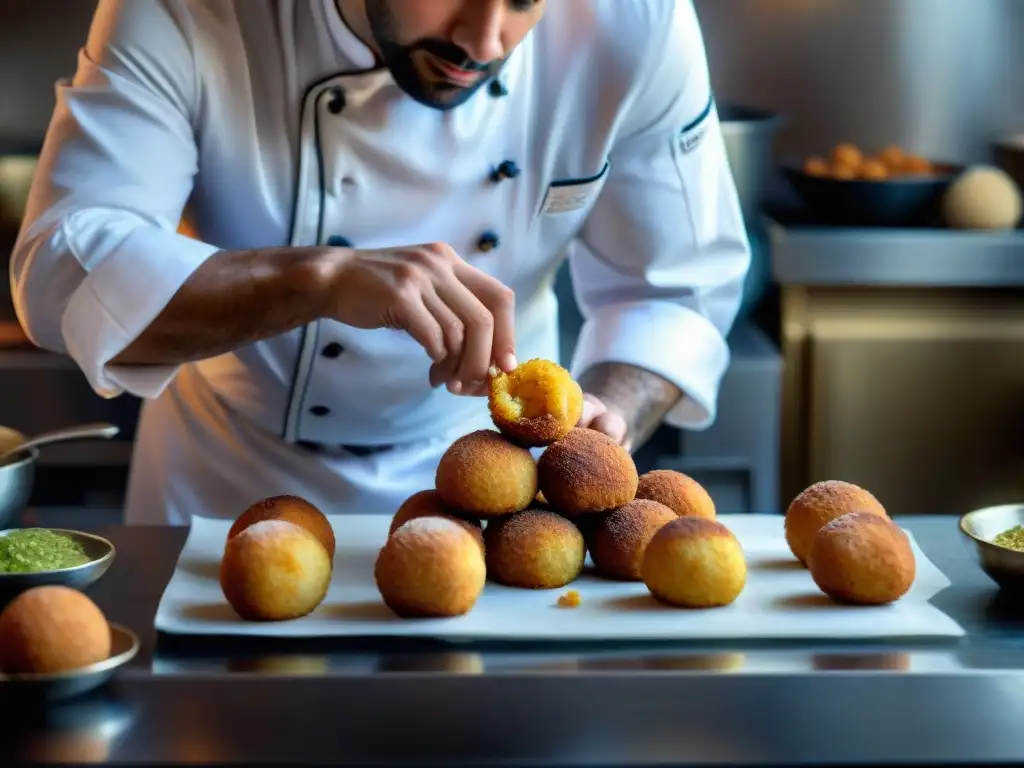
(693, 132)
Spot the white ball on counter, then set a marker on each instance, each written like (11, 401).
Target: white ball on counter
(983, 198)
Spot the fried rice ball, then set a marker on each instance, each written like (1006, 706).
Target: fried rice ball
(536, 404)
(893, 157)
(692, 562)
(816, 166)
(874, 170)
(52, 629)
(430, 567)
(848, 155)
(820, 503)
(274, 570)
(844, 172)
(617, 541)
(428, 504)
(587, 472)
(680, 493)
(862, 558)
(535, 549)
(484, 475)
(294, 510)
(914, 165)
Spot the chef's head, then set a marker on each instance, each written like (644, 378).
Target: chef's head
(441, 51)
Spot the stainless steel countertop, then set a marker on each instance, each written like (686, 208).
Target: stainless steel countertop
(220, 701)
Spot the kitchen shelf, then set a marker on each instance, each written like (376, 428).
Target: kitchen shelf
(902, 258)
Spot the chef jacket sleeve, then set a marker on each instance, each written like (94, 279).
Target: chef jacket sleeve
(659, 268)
(98, 256)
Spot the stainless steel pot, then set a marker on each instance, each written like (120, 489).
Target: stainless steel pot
(750, 144)
(17, 474)
(1009, 155)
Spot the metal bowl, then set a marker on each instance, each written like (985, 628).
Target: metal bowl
(1004, 566)
(903, 201)
(16, 480)
(124, 645)
(100, 551)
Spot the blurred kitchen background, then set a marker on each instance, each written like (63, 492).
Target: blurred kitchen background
(888, 356)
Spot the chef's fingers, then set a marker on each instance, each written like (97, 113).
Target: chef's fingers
(451, 326)
(479, 332)
(501, 301)
(443, 370)
(592, 408)
(480, 390)
(420, 323)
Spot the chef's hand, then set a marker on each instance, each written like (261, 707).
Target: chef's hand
(461, 316)
(598, 416)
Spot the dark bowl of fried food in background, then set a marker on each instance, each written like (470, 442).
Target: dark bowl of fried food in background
(902, 201)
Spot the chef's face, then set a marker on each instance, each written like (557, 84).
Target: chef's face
(441, 51)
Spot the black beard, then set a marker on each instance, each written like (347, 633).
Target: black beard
(400, 61)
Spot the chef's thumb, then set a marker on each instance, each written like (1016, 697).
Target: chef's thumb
(613, 425)
(592, 408)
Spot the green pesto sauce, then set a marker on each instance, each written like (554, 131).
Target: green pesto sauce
(36, 549)
(1011, 539)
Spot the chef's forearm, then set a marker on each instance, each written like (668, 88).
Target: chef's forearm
(642, 398)
(233, 299)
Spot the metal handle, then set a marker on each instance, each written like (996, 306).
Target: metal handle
(100, 430)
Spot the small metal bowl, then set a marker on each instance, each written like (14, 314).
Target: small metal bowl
(1004, 566)
(100, 551)
(124, 645)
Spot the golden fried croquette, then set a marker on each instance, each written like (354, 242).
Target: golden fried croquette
(893, 158)
(430, 567)
(294, 510)
(820, 503)
(618, 540)
(847, 155)
(484, 475)
(274, 570)
(428, 504)
(862, 558)
(540, 501)
(816, 166)
(915, 165)
(536, 404)
(844, 172)
(51, 629)
(586, 472)
(694, 563)
(874, 170)
(535, 549)
(680, 493)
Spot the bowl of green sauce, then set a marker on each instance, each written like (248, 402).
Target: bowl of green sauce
(996, 540)
(35, 557)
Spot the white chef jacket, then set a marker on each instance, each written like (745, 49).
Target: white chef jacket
(272, 123)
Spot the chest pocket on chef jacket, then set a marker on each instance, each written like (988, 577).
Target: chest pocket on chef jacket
(565, 207)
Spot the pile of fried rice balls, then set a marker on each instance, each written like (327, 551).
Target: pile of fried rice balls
(498, 514)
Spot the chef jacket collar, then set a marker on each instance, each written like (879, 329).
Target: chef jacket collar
(358, 52)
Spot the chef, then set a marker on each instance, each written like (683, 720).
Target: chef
(383, 191)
